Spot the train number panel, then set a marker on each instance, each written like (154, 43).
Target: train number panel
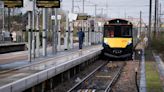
(118, 39)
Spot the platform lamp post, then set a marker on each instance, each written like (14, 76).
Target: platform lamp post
(29, 37)
(83, 29)
(44, 33)
(59, 33)
(33, 30)
(8, 21)
(37, 34)
(72, 17)
(28, 6)
(72, 27)
(140, 23)
(82, 21)
(95, 23)
(66, 32)
(55, 32)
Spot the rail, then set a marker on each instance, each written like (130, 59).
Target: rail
(79, 86)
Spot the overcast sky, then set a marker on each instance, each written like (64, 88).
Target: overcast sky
(116, 8)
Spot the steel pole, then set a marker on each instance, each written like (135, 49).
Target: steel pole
(9, 19)
(72, 6)
(150, 15)
(37, 36)
(95, 26)
(3, 24)
(83, 29)
(71, 28)
(44, 34)
(59, 35)
(90, 33)
(83, 6)
(86, 33)
(29, 37)
(33, 31)
(140, 22)
(55, 32)
(66, 33)
(155, 19)
(160, 11)
(71, 35)
(3, 27)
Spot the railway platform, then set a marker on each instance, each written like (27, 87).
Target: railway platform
(24, 77)
(22, 56)
(12, 47)
(140, 55)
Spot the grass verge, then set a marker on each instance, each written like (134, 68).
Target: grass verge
(152, 78)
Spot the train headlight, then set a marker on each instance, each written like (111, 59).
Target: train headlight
(105, 41)
(129, 42)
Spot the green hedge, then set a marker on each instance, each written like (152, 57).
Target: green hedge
(158, 43)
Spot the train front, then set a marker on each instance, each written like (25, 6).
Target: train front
(118, 39)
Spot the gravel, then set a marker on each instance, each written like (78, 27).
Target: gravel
(65, 86)
(126, 82)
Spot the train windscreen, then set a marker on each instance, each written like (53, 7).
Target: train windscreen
(117, 31)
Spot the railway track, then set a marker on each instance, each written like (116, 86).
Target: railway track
(101, 79)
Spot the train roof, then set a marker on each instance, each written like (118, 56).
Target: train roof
(118, 21)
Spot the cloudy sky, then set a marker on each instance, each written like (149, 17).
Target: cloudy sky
(116, 8)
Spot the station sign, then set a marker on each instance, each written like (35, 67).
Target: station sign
(13, 3)
(28, 5)
(1, 4)
(53, 17)
(72, 16)
(82, 17)
(48, 3)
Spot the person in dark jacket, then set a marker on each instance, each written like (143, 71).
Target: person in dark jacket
(81, 36)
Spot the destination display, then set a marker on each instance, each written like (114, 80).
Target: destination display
(82, 17)
(13, 3)
(48, 3)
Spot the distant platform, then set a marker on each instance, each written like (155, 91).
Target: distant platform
(139, 46)
(12, 47)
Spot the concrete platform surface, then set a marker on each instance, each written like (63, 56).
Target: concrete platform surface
(23, 55)
(23, 78)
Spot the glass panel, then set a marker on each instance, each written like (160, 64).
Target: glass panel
(126, 31)
(109, 31)
(117, 31)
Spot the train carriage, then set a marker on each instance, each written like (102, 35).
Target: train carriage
(118, 39)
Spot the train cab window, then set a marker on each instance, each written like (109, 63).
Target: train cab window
(109, 32)
(126, 31)
(117, 30)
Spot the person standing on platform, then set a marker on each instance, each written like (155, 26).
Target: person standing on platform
(81, 38)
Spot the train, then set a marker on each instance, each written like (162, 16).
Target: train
(118, 39)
